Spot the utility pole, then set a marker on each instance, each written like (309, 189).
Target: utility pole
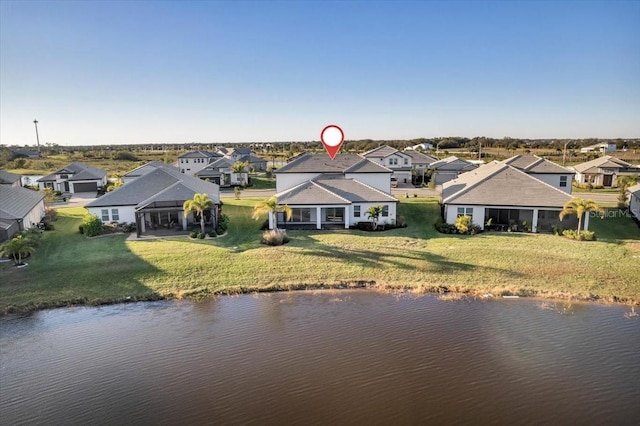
(37, 137)
(564, 153)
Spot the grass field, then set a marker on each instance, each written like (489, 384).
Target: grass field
(69, 268)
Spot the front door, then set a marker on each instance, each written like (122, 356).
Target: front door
(66, 187)
(608, 180)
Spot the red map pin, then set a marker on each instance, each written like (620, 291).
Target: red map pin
(332, 138)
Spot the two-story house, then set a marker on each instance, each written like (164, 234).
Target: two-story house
(326, 193)
(190, 162)
(544, 170)
(398, 162)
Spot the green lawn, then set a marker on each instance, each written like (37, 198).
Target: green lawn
(69, 268)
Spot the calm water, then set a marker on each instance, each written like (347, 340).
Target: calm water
(352, 357)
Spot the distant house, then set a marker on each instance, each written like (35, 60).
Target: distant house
(423, 146)
(603, 171)
(20, 209)
(75, 177)
(634, 200)
(544, 170)
(245, 154)
(220, 172)
(398, 162)
(154, 200)
(450, 168)
(333, 193)
(144, 169)
(420, 162)
(507, 198)
(191, 162)
(10, 179)
(24, 153)
(600, 147)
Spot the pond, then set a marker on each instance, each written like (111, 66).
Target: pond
(340, 357)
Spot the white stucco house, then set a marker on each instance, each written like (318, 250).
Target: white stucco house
(547, 171)
(20, 209)
(600, 147)
(507, 198)
(220, 172)
(633, 193)
(603, 171)
(154, 200)
(400, 163)
(75, 177)
(326, 193)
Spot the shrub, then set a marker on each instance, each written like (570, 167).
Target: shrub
(463, 224)
(50, 215)
(200, 236)
(81, 229)
(402, 222)
(193, 234)
(557, 230)
(579, 236)
(125, 156)
(444, 227)
(274, 237)
(92, 225)
(212, 233)
(223, 222)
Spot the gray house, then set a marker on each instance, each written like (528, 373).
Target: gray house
(450, 168)
(75, 177)
(10, 179)
(20, 209)
(634, 200)
(506, 198)
(154, 200)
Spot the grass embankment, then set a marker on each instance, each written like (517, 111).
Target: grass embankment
(72, 269)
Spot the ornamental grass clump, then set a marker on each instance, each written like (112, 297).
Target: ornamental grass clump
(579, 235)
(275, 237)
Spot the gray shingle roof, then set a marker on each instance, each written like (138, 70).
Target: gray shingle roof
(200, 154)
(635, 189)
(16, 202)
(420, 158)
(535, 164)
(79, 171)
(380, 152)
(146, 168)
(151, 184)
(452, 164)
(601, 162)
(332, 189)
(321, 163)
(7, 178)
(499, 184)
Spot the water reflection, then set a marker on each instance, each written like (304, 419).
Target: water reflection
(344, 357)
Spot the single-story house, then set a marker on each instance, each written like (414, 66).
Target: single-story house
(245, 154)
(506, 198)
(75, 177)
(20, 209)
(10, 179)
(24, 153)
(154, 200)
(450, 168)
(400, 163)
(219, 172)
(333, 193)
(544, 170)
(634, 200)
(420, 162)
(603, 171)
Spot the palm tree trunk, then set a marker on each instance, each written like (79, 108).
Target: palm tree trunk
(579, 223)
(202, 221)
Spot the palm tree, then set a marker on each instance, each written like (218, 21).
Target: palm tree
(18, 247)
(624, 182)
(239, 166)
(198, 205)
(374, 213)
(271, 207)
(579, 207)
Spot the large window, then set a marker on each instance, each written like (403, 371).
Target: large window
(385, 211)
(105, 215)
(393, 161)
(356, 211)
(115, 215)
(300, 215)
(334, 214)
(563, 181)
(465, 211)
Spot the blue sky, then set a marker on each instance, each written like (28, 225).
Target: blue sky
(177, 72)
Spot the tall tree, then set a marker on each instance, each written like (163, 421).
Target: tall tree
(271, 208)
(198, 205)
(579, 207)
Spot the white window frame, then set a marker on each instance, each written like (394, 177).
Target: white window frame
(465, 211)
(356, 211)
(115, 215)
(104, 214)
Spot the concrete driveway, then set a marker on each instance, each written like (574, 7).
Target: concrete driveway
(79, 199)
